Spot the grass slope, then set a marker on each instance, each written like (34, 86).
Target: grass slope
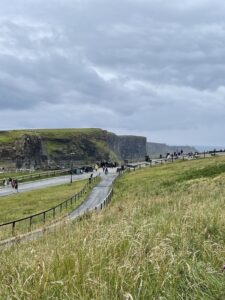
(20, 205)
(11, 135)
(162, 238)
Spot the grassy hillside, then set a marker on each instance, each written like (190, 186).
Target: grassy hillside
(21, 205)
(161, 238)
(11, 135)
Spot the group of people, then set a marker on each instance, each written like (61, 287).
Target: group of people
(104, 167)
(12, 182)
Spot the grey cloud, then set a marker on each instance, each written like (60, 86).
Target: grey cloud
(144, 66)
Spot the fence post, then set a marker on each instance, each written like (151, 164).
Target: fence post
(53, 210)
(44, 217)
(30, 224)
(60, 207)
(13, 228)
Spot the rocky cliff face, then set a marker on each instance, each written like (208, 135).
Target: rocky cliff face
(29, 152)
(58, 148)
(128, 147)
(155, 149)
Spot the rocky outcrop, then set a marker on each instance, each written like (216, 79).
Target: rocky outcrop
(29, 152)
(128, 147)
(62, 147)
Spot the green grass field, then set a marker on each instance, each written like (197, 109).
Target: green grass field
(161, 238)
(10, 135)
(7, 175)
(20, 205)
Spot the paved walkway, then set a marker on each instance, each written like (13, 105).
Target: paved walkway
(39, 184)
(97, 195)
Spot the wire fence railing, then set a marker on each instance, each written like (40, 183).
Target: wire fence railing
(27, 224)
(106, 201)
(191, 156)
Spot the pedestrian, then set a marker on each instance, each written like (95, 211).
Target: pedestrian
(106, 171)
(16, 185)
(13, 183)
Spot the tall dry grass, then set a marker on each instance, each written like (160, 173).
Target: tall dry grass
(161, 238)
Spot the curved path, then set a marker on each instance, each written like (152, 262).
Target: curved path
(97, 195)
(39, 184)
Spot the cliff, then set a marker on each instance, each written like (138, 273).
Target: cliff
(60, 147)
(155, 149)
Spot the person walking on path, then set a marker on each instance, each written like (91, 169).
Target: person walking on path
(16, 185)
(90, 178)
(13, 183)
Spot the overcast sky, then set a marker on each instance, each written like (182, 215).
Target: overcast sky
(148, 67)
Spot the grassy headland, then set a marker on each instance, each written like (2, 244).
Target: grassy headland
(11, 135)
(161, 238)
(28, 148)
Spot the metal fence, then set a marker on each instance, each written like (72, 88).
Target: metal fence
(44, 216)
(106, 201)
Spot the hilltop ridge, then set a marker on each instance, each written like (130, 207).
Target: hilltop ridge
(50, 148)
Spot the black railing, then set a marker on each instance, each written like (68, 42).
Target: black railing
(106, 201)
(50, 213)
